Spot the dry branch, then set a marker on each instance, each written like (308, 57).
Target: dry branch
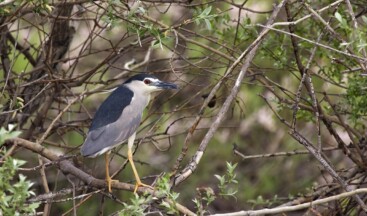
(285, 209)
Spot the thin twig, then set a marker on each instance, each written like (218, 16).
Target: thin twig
(279, 154)
(284, 209)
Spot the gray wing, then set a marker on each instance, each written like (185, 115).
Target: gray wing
(104, 138)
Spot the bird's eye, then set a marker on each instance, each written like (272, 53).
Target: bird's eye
(146, 81)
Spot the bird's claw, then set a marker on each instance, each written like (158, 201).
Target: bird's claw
(140, 184)
(109, 181)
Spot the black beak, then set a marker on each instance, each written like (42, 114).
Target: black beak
(165, 85)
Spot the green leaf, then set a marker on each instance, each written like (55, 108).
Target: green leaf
(206, 12)
(208, 24)
(364, 18)
(142, 10)
(221, 179)
(338, 17)
(17, 191)
(5, 135)
(165, 204)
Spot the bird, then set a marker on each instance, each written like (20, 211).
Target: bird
(118, 118)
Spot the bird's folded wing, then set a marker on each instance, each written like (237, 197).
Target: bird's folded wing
(100, 140)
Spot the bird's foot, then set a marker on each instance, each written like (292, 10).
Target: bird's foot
(140, 184)
(109, 181)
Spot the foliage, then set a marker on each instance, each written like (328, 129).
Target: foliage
(14, 188)
(37, 5)
(227, 182)
(137, 206)
(164, 190)
(260, 201)
(204, 198)
(205, 16)
(356, 97)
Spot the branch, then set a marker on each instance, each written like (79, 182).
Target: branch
(296, 207)
(68, 167)
(191, 167)
(279, 154)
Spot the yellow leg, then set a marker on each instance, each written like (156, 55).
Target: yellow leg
(137, 178)
(108, 178)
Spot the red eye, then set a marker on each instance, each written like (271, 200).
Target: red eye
(146, 81)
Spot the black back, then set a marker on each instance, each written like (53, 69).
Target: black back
(111, 109)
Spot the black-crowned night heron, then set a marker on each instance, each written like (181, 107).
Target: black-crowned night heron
(118, 118)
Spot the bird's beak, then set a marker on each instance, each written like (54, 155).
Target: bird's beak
(165, 85)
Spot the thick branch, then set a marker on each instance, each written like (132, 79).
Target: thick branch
(68, 167)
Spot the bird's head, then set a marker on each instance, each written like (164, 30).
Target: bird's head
(148, 83)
